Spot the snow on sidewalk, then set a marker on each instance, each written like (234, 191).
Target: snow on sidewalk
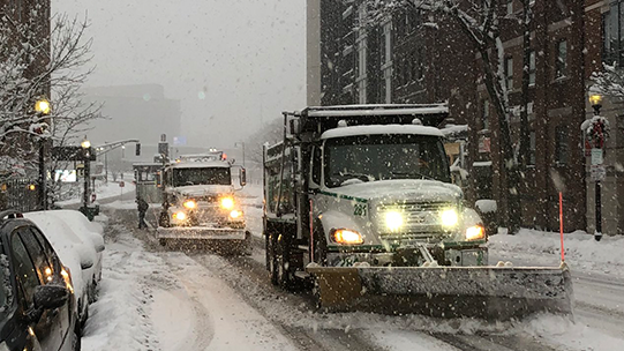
(582, 252)
(103, 192)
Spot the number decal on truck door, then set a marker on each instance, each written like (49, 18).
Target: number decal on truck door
(359, 210)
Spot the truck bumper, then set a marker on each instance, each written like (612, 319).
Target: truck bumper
(201, 233)
(456, 256)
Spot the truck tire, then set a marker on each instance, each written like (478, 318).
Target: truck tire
(163, 219)
(272, 259)
(284, 273)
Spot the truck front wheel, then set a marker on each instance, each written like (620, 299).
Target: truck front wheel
(272, 259)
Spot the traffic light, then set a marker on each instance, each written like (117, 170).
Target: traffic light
(138, 149)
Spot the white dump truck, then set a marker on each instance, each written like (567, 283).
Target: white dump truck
(200, 203)
(359, 202)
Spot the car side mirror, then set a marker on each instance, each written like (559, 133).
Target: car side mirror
(50, 296)
(86, 264)
(243, 176)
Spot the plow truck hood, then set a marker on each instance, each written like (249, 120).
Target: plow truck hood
(392, 191)
(201, 190)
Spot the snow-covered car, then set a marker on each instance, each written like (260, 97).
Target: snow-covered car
(77, 252)
(89, 231)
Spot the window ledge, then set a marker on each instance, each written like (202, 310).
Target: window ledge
(559, 80)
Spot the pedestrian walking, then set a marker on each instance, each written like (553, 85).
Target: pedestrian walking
(142, 207)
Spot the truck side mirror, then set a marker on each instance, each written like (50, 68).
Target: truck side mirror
(242, 176)
(295, 127)
(138, 149)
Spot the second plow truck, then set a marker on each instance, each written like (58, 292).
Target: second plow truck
(358, 201)
(200, 205)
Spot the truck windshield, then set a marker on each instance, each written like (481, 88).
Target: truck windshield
(382, 157)
(201, 176)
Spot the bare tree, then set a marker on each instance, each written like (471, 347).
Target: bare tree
(33, 66)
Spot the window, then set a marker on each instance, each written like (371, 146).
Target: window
(531, 159)
(509, 7)
(387, 67)
(509, 72)
(561, 63)
(36, 253)
(485, 114)
(613, 34)
(532, 67)
(420, 65)
(316, 165)
(24, 270)
(561, 146)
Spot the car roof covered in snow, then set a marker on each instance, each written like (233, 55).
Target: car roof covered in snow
(381, 130)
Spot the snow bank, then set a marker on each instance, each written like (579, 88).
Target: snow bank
(486, 206)
(119, 320)
(582, 252)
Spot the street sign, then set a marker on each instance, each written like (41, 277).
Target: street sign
(596, 157)
(598, 173)
(122, 184)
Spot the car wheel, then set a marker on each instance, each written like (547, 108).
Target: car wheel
(77, 339)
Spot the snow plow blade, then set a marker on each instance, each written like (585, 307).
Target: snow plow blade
(489, 293)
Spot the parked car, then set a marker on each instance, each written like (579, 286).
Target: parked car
(77, 252)
(37, 303)
(88, 231)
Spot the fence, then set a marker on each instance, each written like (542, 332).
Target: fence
(19, 194)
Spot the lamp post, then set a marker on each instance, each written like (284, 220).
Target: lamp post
(598, 139)
(42, 108)
(86, 150)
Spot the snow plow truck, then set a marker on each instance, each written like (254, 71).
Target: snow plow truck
(200, 205)
(359, 204)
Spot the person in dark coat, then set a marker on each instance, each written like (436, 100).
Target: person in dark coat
(142, 207)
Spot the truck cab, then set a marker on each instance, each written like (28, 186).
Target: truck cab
(200, 201)
(371, 185)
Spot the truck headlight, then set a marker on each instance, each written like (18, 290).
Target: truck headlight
(449, 217)
(179, 216)
(475, 233)
(227, 203)
(236, 214)
(394, 220)
(347, 237)
(190, 204)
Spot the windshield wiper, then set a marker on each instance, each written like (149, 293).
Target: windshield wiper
(412, 173)
(361, 176)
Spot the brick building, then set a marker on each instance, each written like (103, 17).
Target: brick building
(412, 57)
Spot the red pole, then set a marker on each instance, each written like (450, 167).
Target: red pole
(561, 225)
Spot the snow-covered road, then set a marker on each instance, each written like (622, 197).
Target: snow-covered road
(154, 299)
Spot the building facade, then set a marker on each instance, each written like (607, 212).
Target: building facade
(414, 57)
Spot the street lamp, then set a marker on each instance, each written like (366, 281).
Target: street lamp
(42, 108)
(598, 136)
(596, 101)
(86, 150)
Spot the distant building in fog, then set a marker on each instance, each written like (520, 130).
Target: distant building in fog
(134, 112)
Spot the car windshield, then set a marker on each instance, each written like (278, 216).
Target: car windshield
(201, 176)
(382, 157)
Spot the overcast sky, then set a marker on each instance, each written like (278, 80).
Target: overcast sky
(230, 62)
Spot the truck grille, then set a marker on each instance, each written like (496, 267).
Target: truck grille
(421, 220)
